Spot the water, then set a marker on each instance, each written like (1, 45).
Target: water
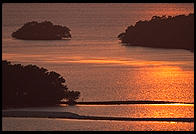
(131, 111)
(94, 61)
(80, 125)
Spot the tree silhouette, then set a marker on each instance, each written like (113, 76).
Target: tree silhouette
(162, 32)
(72, 96)
(42, 31)
(31, 85)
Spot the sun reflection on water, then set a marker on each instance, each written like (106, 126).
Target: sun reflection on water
(161, 83)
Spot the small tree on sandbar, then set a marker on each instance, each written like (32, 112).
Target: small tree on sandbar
(72, 96)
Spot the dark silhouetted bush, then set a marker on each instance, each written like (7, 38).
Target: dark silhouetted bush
(72, 96)
(162, 32)
(31, 85)
(42, 31)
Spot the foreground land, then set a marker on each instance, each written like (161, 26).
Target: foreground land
(23, 83)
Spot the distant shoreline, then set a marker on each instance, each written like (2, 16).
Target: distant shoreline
(126, 102)
(102, 103)
(68, 115)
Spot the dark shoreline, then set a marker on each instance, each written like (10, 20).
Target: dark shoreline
(68, 115)
(126, 102)
(166, 48)
(99, 103)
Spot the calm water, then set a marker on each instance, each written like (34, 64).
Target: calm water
(95, 63)
(80, 125)
(131, 111)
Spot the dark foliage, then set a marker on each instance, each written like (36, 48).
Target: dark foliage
(162, 32)
(72, 96)
(42, 31)
(33, 86)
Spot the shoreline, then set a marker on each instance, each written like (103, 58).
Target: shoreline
(99, 103)
(69, 115)
(126, 102)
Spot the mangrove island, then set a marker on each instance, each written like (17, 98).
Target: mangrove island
(161, 32)
(42, 31)
(30, 85)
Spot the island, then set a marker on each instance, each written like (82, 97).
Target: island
(161, 32)
(42, 31)
(32, 86)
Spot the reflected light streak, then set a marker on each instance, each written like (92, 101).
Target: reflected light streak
(166, 71)
(162, 83)
(97, 60)
(173, 104)
(169, 9)
(126, 62)
(172, 122)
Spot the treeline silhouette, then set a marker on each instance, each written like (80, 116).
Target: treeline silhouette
(42, 31)
(162, 32)
(31, 85)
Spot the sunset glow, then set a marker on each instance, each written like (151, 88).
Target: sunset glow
(98, 66)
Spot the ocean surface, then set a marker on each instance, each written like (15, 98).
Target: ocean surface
(95, 63)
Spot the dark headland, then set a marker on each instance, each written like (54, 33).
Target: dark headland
(33, 86)
(42, 31)
(161, 32)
